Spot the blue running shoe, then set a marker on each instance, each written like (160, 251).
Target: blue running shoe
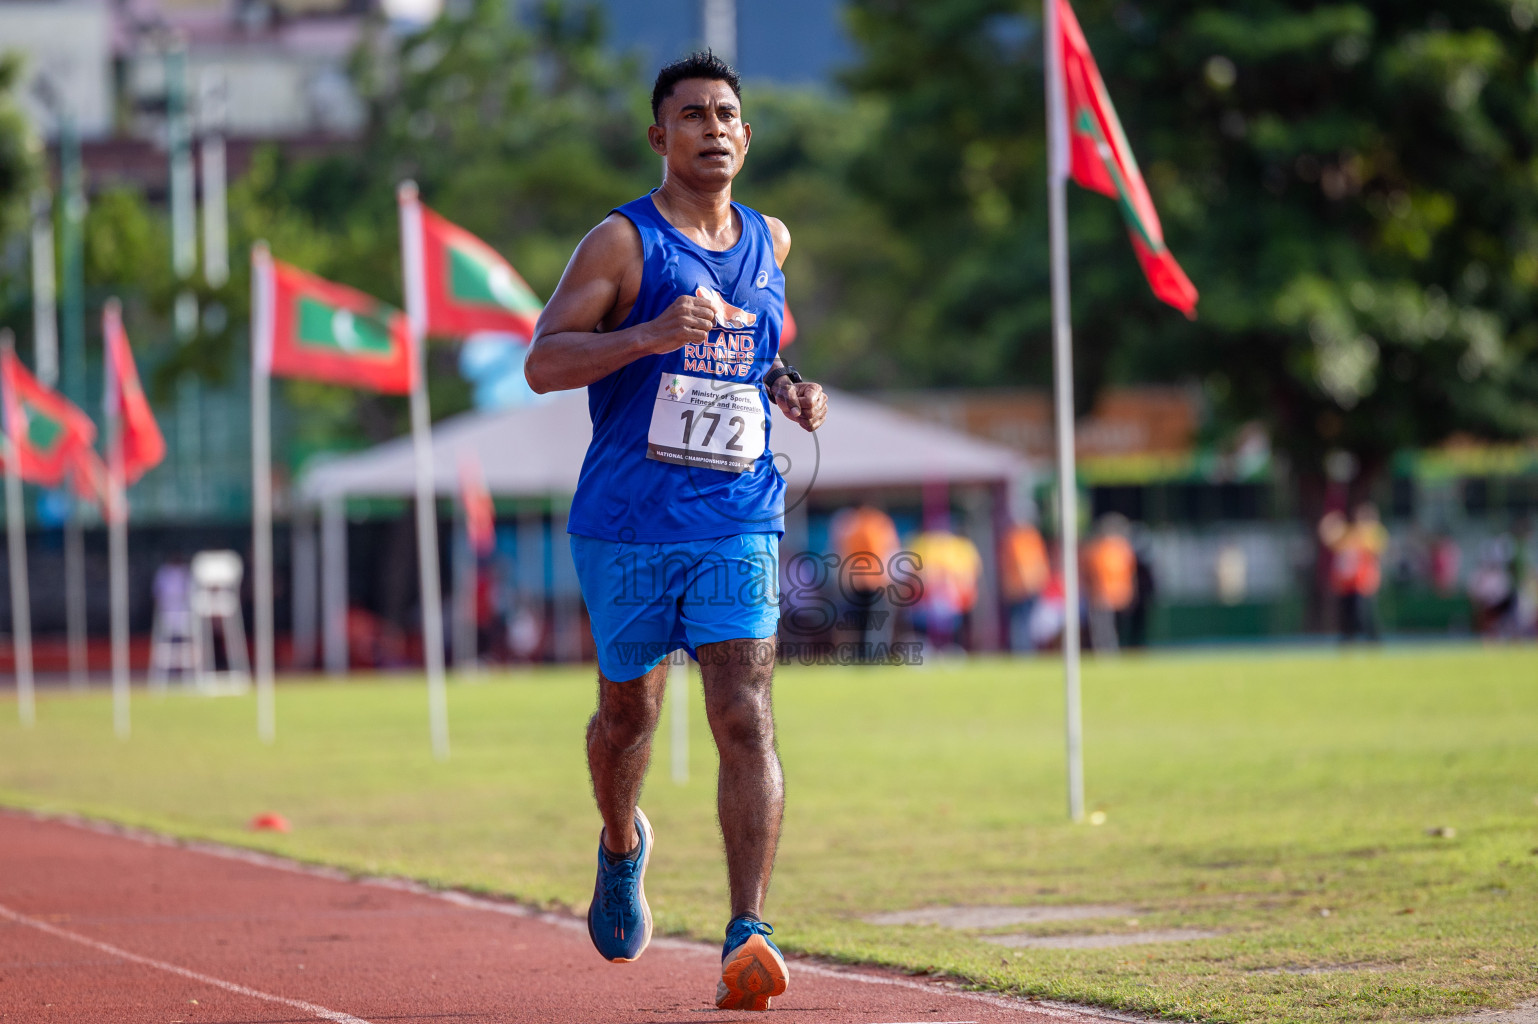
(618, 919)
(752, 969)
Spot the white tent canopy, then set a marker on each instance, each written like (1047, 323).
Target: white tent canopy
(538, 450)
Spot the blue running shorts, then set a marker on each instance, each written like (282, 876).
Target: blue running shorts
(648, 600)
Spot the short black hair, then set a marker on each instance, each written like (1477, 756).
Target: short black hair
(699, 64)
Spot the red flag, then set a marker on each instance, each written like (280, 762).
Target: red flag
(480, 514)
(1098, 158)
(144, 447)
(308, 327)
(461, 284)
(788, 329)
(88, 475)
(43, 425)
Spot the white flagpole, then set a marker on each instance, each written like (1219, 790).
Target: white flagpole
(1062, 359)
(117, 527)
(261, 487)
(216, 228)
(427, 500)
(16, 538)
(45, 307)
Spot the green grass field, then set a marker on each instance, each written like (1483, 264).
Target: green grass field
(1280, 799)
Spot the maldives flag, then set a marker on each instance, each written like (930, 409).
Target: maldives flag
(87, 475)
(45, 428)
(1096, 155)
(144, 447)
(460, 284)
(480, 514)
(305, 326)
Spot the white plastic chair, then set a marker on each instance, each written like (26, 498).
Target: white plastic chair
(216, 577)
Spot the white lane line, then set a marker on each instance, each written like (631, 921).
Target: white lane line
(1041, 1007)
(229, 986)
(1049, 1008)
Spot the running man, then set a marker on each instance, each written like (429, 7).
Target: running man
(669, 313)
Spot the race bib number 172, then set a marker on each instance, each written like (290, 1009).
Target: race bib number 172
(710, 424)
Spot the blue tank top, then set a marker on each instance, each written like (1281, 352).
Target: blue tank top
(680, 445)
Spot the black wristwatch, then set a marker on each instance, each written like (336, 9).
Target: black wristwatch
(785, 370)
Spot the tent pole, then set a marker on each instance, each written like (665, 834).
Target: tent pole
(464, 587)
(1062, 359)
(74, 597)
(305, 606)
(427, 499)
(333, 582)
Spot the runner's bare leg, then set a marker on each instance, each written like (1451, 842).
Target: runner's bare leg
(750, 792)
(619, 747)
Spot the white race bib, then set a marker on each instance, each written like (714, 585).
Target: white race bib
(708, 423)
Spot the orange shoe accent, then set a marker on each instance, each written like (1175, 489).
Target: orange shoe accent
(646, 911)
(752, 975)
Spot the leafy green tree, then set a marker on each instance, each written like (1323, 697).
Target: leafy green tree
(528, 132)
(523, 129)
(20, 153)
(846, 260)
(1349, 184)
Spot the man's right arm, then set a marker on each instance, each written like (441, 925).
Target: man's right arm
(570, 348)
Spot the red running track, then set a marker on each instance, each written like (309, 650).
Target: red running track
(98, 924)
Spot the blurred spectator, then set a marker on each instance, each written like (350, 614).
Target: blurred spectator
(172, 646)
(1142, 600)
(948, 571)
(1023, 573)
(487, 609)
(1356, 568)
(374, 641)
(1110, 579)
(1233, 570)
(173, 588)
(865, 539)
(1503, 588)
(1524, 580)
(525, 627)
(1444, 564)
(1047, 618)
(1492, 591)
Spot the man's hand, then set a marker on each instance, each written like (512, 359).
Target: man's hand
(806, 403)
(688, 321)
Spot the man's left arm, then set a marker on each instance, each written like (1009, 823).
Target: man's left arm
(804, 402)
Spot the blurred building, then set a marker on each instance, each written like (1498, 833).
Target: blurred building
(1202, 506)
(259, 71)
(282, 63)
(794, 42)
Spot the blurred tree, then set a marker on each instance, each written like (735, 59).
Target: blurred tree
(21, 165)
(21, 156)
(528, 130)
(846, 261)
(522, 128)
(1350, 185)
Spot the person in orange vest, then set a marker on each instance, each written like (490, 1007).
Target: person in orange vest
(1110, 579)
(949, 566)
(1356, 567)
(865, 540)
(1023, 572)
